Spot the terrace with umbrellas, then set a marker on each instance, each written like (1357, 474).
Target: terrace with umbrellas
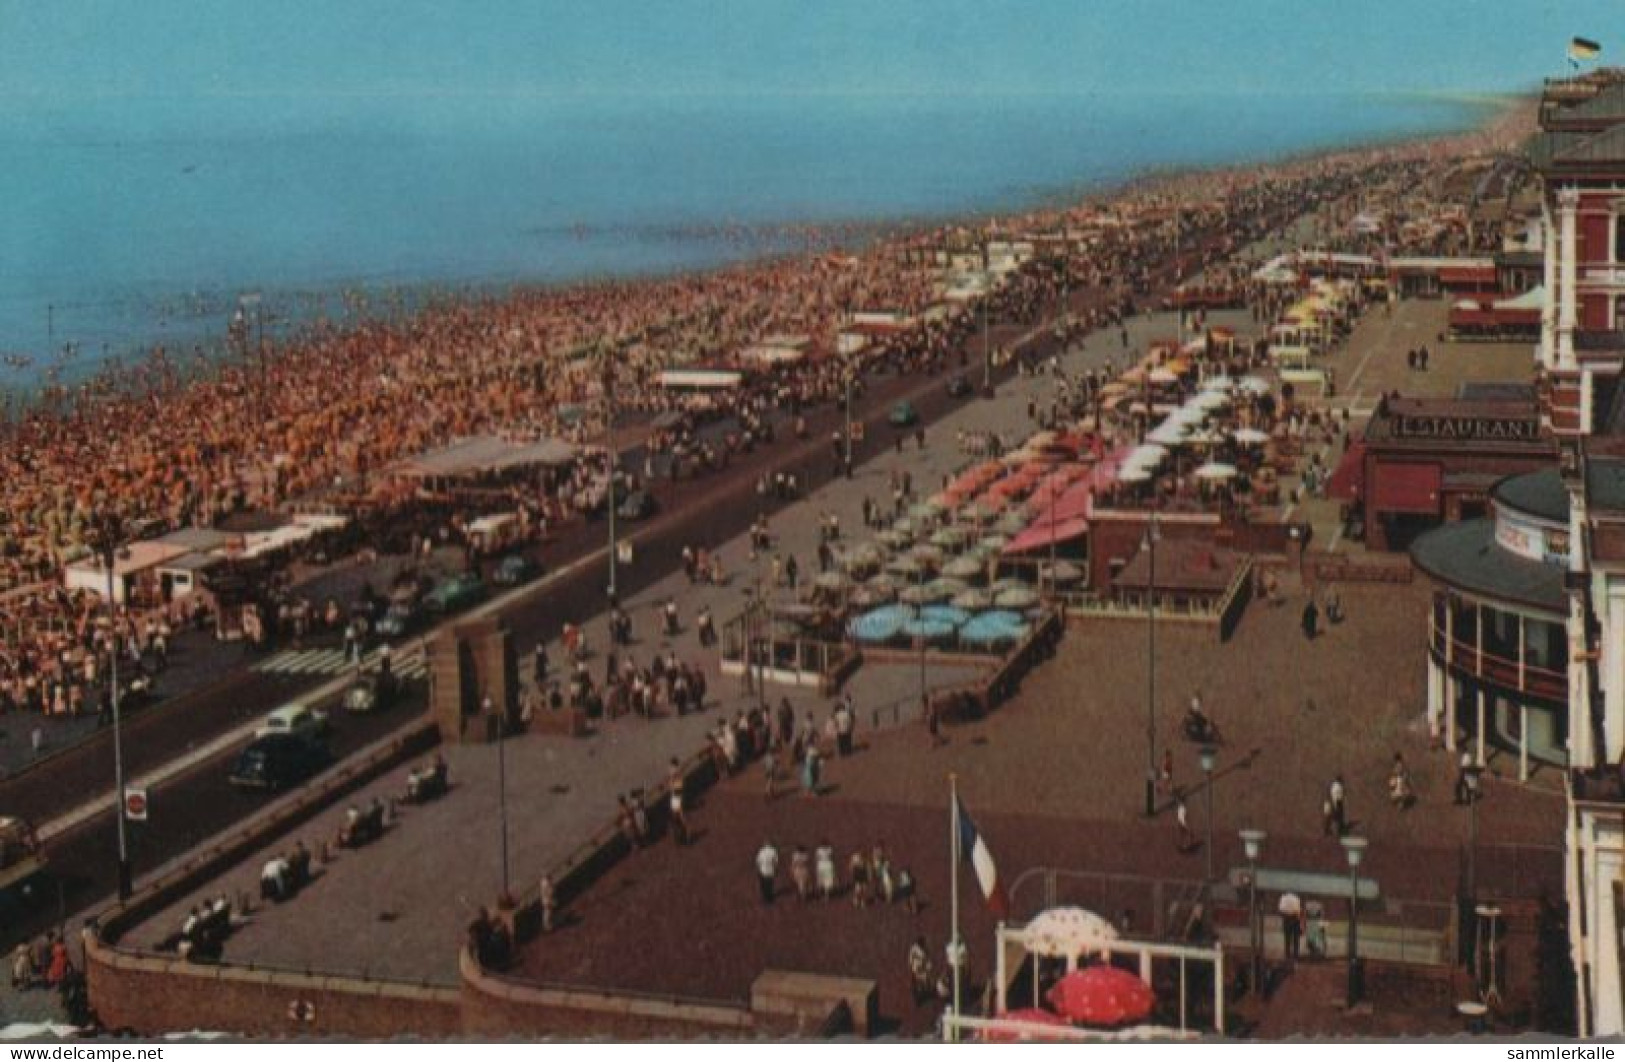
(1154, 490)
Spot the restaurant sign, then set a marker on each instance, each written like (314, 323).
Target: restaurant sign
(1497, 429)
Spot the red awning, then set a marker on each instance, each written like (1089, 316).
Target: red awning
(1406, 488)
(1348, 479)
(1042, 532)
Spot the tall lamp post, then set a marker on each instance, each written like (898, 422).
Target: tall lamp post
(1354, 849)
(1252, 841)
(1151, 672)
(1210, 759)
(111, 532)
(607, 368)
(1472, 775)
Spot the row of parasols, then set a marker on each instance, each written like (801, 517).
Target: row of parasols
(940, 623)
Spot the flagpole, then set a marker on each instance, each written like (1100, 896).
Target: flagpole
(953, 888)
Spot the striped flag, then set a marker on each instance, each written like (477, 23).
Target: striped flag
(974, 850)
(1581, 48)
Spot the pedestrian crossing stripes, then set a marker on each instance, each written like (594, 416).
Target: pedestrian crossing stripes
(333, 662)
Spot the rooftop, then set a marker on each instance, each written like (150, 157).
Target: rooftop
(1539, 494)
(1466, 556)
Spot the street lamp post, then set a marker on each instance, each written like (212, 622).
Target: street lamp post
(847, 467)
(1472, 775)
(1253, 842)
(609, 442)
(501, 722)
(987, 350)
(109, 548)
(1151, 672)
(1210, 759)
(1354, 849)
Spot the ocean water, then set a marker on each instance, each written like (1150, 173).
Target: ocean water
(119, 230)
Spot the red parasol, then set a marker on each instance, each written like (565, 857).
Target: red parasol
(1026, 1016)
(1102, 995)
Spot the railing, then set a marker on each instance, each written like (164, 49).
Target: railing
(1508, 673)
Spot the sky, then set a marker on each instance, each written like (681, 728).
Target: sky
(309, 60)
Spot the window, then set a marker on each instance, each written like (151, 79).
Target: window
(1619, 239)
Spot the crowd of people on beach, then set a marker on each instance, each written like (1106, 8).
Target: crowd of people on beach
(324, 415)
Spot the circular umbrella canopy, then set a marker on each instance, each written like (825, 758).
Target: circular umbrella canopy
(963, 567)
(1215, 471)
(972, 600)
(903, 565)
(831, 580)
(1256, 384)
(1250, 436)
(1011, 523)
(1102, 995)
(1064, 573)
(1016, 598)
(1217, 383)
(905, 526)
(1149, 455)
(947, 587)
(956, 617)
(927, 629)
(1211, 400)
(927, 554)
(994, 628)
(1066, 931)
(1010, 582)
(920, 595)
(869, 597)
(993, 543)
(892, 539)
(949, 537)
(883, 583)
(865, 558)
(944, 500)
(881, 624)
(1164, 376)
(926, 510)
(1134, 475)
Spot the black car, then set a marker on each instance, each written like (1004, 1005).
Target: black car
(278, 761)
(514, 569)
(959, 386)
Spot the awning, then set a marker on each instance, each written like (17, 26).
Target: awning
(1406, 488)
(1044, 532)
(1348, 479)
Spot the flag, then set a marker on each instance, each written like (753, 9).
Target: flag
(974, 850)
(1581, 48)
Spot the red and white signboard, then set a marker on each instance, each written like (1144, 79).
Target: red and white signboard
(135, 805)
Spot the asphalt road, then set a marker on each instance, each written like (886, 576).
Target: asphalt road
(200, 803)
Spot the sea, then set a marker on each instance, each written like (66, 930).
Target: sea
(125, 226)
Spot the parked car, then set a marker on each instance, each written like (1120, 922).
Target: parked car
(277, 761)
(297, 719)
(959, 386)
(458, 591)
(399, 620)
(371, 693)
(514, 569)
(639, 505)
(903, 415)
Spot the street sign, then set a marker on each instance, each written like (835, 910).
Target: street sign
(135, 805)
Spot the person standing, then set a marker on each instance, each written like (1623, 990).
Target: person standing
(801, 872)
(1291, 911)
(921, 983)
(809, 772)
(770, 773)
(549, 903)
(844, 723)
(1336, 794)
(1187, 837)
(767, 869)
(1311, 619)
(679, 821)
(824, 870)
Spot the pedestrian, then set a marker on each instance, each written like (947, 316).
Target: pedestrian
(770, 773)
(549, 902)
(824, 869)
(23, 974)
(1165, 777)
(1187, 837)
(1335, 794)
(922, 984)
(1464, 766)
(857, 868)
(1311, 618)
(801, 872)
(1291, 911)
(1400, 792)
(679, 821)
(809, 772)
(844, 723)
(907, 892)
(767, 869)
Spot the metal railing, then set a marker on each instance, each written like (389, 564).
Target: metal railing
(1507, 672)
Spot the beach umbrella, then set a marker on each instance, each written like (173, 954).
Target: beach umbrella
(1063, 573)
(928, 555)
(955, 617)
(1208, 401)
(1167, 434)
(993, 543)
(947, 586)
(881, 624)
(905, 526)
(919, 595)
(963, 567)
(950, 537)
(1010, 582)
(1102, 995)
(972, 600)
(1011, 523)
(1022, 598)
(1256, 384)
(1133, 475)
(1164, 376)
(1064, 932)
(1250, 436)
(1039, 440)
(927, 629)
(994, 628)
(924, 512)
(903, 565)
(892, 539)
(1215, 471)
(1217, 384)
(832, 580)
(867, 597)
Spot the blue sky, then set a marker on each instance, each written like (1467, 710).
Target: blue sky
(336, 58)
